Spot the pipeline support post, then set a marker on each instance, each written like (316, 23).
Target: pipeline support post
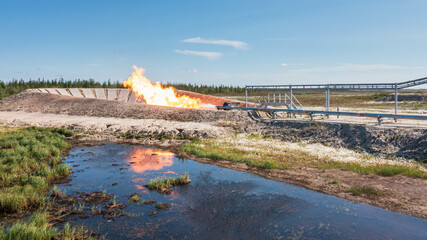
(380, 120)
(290, 93)
(395, 100)
(246, 96)
(327, 99)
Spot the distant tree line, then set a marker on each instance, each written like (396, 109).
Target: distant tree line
(209, 89)
(16, 86)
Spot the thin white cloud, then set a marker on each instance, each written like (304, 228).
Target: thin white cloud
(236, 44)
(208, 55)
(191, 70)
(284, 64)
(46, 68)
(93, 65)
(355, 67)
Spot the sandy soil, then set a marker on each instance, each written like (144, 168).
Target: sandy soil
(112, 125)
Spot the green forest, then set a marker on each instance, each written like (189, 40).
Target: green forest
(16, 86)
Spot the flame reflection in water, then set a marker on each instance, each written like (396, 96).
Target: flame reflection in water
(148, 159)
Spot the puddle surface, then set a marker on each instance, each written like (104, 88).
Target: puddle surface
(221, 203)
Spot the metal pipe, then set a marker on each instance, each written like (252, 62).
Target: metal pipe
(246, 96)
(300, 111)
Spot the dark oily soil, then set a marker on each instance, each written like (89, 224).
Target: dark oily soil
(163, 206)
(64, 208)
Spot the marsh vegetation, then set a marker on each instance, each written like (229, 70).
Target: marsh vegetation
(38, 227)
(30, 160)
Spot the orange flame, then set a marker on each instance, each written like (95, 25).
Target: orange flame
(155, 94)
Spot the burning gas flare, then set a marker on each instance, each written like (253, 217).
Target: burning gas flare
(155, 94)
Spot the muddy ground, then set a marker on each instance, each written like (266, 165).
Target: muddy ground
(103, 120)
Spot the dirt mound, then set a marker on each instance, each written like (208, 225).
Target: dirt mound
(50, 103)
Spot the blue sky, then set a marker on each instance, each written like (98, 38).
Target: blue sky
(215, 42)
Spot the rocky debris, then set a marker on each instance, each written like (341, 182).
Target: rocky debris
(405, 142)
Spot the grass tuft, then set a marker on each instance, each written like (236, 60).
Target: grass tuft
(369, 191)
(134, 198)
(164, 185)
(335, 181)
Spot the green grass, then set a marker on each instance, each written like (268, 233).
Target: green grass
(134, 198)
(378, 169)
(165, 184)
(38, 228)
(335, 181)
(265, 159)
(30, 158)
(367, 190)
(236, 155)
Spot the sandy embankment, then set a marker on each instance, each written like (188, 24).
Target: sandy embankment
(112, 126)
